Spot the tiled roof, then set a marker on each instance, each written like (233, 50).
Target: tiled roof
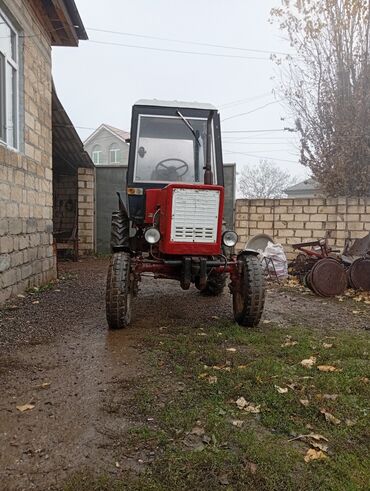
(125, 135)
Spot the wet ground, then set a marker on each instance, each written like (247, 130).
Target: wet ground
(58, 357)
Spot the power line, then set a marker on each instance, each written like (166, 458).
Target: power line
(252, 111)
(228, 105)
(259, 131)
(168, 50)
(262, 157)
(194, 43)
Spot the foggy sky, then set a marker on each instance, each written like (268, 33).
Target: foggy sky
(99, 83)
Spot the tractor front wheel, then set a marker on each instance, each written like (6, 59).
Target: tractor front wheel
(249, 292)
(118, 294)
(215, 284)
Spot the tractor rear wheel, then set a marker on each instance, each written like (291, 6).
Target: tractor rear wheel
(249, 292)
(118, 294)
(215, 284)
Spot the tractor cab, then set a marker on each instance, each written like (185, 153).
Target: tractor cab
(172, 143)
(172, 227)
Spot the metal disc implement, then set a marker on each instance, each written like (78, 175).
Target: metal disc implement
(359, 274)
(328, 278)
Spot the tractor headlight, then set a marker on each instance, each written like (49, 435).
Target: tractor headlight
(152, 235)
(229, 238)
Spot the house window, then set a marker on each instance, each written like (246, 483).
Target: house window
(8, 83)
(115, 154)
(97, 155)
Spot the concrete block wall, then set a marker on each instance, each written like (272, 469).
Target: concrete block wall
(26, 252)
(86, 211)
(65, 202)
(290, 221)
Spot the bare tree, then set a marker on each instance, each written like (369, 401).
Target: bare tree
(328, 89)
(264, 180)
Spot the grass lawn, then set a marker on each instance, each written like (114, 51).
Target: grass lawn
(188, 422)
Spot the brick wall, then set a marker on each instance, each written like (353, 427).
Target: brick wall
(86, 210)
(290, 221)
(26, 252)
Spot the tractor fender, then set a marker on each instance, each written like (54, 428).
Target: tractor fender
(248, 252)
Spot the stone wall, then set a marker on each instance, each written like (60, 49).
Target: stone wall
(26, 251)
(86, 211)
(290, 221)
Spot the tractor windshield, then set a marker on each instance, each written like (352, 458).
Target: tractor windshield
(168, 151)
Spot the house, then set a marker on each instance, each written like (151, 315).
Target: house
(39, 147)
(309, 188)
(108, 145)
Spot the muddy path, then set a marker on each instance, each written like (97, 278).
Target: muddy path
(58, 356)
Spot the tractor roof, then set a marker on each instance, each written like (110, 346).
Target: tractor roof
(179, 104)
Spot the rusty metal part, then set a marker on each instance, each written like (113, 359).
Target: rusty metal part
(359, 274)
(327, 278)
(357, 247)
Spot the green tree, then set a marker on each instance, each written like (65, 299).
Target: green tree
(327, 87)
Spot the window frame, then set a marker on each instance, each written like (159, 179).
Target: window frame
(99, 153)
(165, 116)
(116, 151)
(14, 64)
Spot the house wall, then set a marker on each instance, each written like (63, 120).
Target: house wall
(105, 139)
(26, 251)
(290, 221)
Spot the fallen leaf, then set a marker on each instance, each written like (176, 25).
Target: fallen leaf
(320, 446)
(197, 430)
(304, 402)
(224, 480)
(25, 407)
(266, 322)
(356, 312)
(365, 380)
(35, 302)
(44, 385)
(252, 467)
(247, 406)
(281, 390)
(350, 422)
(327, 368)
(241, 367)
(232, 350)
(241, 402)
(203, 375)
(308, 362)
(117, 465)
(327, 345)
(313, 454)
(202, 334)
(329, 417)
(212, 379)
(215, 317)
(314, 436)
(330, 397)
(289, 343)
(238, 423)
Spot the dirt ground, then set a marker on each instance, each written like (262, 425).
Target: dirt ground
(58, 356)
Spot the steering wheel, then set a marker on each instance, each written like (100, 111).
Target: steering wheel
(172, 168)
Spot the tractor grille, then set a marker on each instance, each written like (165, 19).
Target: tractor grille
(195, 215)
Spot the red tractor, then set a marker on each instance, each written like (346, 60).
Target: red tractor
(172, 225)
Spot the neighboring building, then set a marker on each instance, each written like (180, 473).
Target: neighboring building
(305, 189)
(108, 146)
(38, 144)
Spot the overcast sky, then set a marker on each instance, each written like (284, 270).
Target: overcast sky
(98, 83)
